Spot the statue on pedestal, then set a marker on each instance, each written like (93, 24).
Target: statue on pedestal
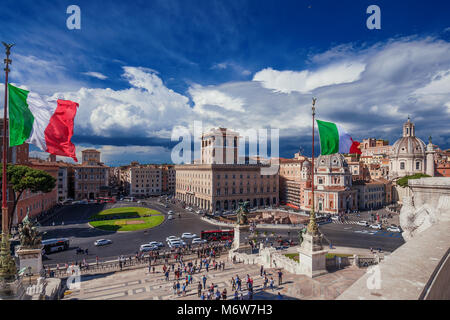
(300, 235)
(242, 213)
(29, 235)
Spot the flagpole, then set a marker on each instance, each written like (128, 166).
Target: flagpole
(312, 225)
(7, 264)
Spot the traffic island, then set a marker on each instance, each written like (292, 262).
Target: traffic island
(126, 219)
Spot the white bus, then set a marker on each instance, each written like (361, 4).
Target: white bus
(55, 245)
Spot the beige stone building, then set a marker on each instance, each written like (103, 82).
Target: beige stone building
(144, 180)
(294, 178)
(371, 194)
(219, 182)
(90, 175)
(333, 191)
(372, 147)
(219, 146)
(220, 187)
(168, 177)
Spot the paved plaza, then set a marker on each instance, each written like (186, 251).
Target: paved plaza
(139, 284)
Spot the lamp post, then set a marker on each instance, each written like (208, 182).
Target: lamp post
(312, 225)
(7, 264)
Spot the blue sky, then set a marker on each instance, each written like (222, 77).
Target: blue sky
(140, 68)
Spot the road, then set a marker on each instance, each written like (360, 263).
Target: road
(81, 235)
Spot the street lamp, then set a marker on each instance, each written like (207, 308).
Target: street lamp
(8, 269)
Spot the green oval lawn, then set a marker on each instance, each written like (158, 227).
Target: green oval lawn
(126, 219)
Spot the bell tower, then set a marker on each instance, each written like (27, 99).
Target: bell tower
(430, 158)
(408, 128)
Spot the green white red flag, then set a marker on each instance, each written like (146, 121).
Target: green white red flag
(334, 139)
(48, 124)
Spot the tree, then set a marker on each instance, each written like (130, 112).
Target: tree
(22, 178)
(403, 182)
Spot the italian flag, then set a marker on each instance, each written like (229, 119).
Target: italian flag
(48, 124)
(334, 139)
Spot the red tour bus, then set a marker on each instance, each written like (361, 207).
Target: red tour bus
(217, 235)
(106, 200)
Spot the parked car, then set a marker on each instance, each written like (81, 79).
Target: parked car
(176, 243)
(363, 223)
(376, 226)
(148, 247)
(335, 218)
(170, 212)
(188, 235)
(198, 241)
(394, 228)
(102, 242)
(156, 243)
(170, 217)
(172, 238)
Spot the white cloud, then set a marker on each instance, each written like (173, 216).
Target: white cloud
(148, 108)
(305, 81)
(440, 84)
(369, 91)
(220, 66)
(214, 102)
(97, 75)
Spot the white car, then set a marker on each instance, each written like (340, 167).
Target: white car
(376, 226)
(188, 235)
(198, 241)
(147, 247)
(394, 228)
(170, 212)
(170, 217)
(156, 243)
(363, 223)
(172, 238)
(176, 244)
(335, 218)
(102, 242)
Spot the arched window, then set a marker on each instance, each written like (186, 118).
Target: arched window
(418, 165)
(402, 166)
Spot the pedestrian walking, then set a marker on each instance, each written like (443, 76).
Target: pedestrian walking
(204, 281)
(199, 289)
(174, 287)
(224, 294)
(261, 271)
(236, 295)
(280, 277)
(271, 283)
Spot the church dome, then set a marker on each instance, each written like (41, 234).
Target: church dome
(336, 160)
(409, 144)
